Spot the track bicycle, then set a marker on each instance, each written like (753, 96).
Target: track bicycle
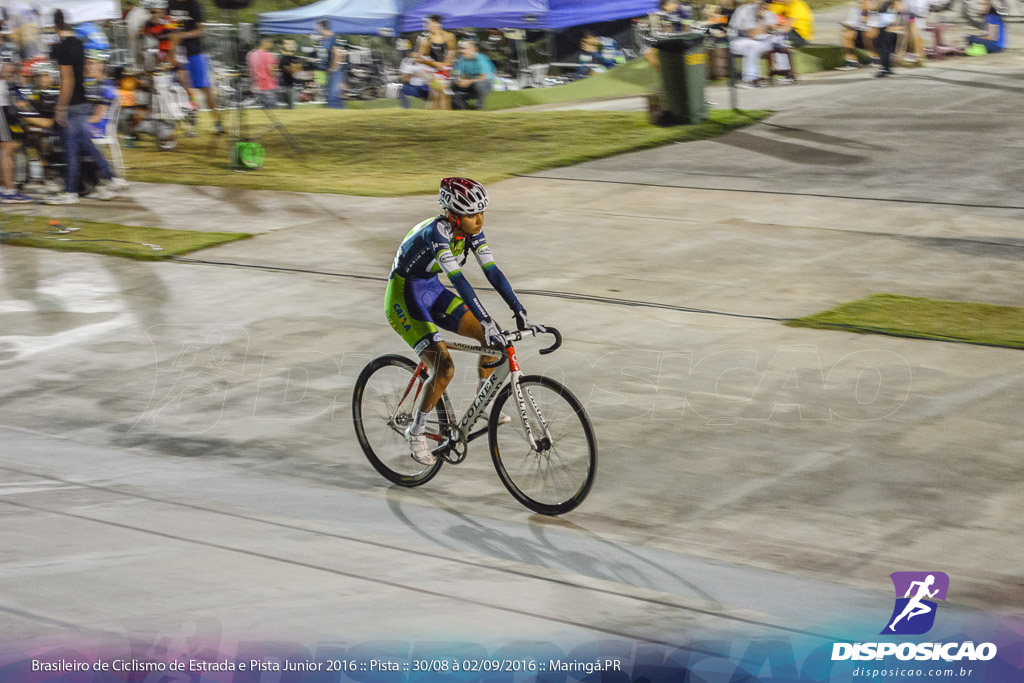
(546, 456)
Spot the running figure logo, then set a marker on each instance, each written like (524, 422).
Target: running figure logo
(914, 613)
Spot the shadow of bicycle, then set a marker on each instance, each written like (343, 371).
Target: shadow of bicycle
(551, 543)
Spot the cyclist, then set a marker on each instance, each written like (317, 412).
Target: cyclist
(417, 303)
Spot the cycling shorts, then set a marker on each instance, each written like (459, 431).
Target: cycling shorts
(416, 307)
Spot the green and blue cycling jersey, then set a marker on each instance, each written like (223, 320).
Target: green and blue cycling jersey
(416, 300)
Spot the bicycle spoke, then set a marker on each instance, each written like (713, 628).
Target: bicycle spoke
(383, 407)
(555, 476)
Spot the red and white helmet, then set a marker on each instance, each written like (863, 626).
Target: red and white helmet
(462, 196)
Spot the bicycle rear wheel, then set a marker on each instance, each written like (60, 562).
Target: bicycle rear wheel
(556, 477)
(382, 407)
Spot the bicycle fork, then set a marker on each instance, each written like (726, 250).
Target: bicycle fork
(538, 445)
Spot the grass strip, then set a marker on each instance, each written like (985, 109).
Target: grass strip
(920, 318)
(111, 239)
(394, 153)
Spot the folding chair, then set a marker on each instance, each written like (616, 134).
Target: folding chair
(110, 136)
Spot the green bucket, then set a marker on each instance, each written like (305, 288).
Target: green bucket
(247, 155)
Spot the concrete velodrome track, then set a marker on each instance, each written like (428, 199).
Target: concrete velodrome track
(176, 451)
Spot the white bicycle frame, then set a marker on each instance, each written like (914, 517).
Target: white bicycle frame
(508, 368)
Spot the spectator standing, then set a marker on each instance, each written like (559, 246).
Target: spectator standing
(334, 61)
(887, 24)
(994, 39)
(471, 76)
(436, 48)
(8, 192)
(288, 65)
(134, 21)
(190, 15)
(857, 32)
(917, 12)
(72, 115)
(159, 29)
(262, 69)
(799, 18)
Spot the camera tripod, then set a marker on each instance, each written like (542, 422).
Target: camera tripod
(237, 82)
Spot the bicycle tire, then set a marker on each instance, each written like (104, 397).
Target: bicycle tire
(519, 472)
(388, 464)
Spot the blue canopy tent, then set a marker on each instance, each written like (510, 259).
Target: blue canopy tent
(566, 13)
(528, 14)
(346, 17)
(478, 14)
(366, 17)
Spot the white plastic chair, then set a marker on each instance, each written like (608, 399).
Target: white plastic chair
(110, 135)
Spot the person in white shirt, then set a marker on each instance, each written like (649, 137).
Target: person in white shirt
(415, 80)
(134, 22)
(751, 35)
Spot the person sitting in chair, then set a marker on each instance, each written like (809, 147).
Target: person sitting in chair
(471, 76)
(753, 29)
(799, 20)
(994, 39)
(415, 79)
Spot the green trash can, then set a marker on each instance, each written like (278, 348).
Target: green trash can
(683, 74)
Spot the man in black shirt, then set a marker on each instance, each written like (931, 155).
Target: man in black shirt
(72, 115)
(288, 65)
(190, 15)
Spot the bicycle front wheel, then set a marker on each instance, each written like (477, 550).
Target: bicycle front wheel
(555, 477)
(383, 402)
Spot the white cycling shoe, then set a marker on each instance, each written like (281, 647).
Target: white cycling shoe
(504, 419)
(420, 448)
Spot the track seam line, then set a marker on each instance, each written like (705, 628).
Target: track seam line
(926, 202)
(569, 296)
(356, 577)
(385, 546)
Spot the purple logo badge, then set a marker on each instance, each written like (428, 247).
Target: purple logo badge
(916, 595)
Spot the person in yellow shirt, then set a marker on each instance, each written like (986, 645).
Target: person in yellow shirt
(799, 19)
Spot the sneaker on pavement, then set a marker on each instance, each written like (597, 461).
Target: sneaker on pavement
(100, 192)
(786, 81)
(882, 73)
(51, 186)
(850, 65)
(420, 449)
(750, 84)
(15, 198)
(62, 198)
(116, 184)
